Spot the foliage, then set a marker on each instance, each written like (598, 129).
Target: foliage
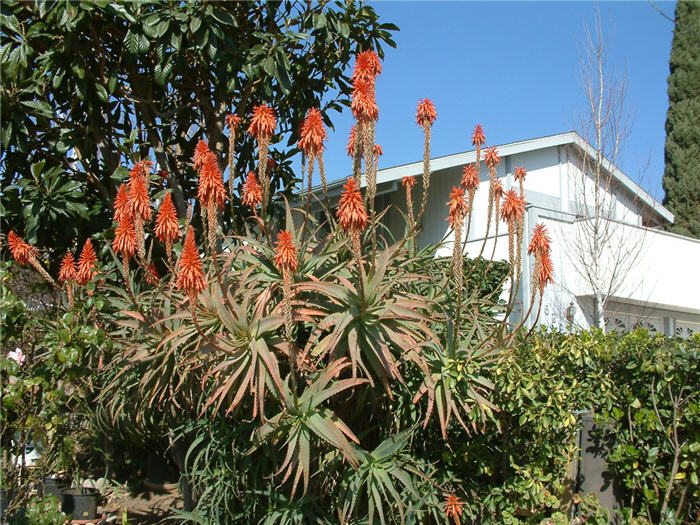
(340, 376)
(41, 511)
(681, 180)
(46, 391)
(90, 87)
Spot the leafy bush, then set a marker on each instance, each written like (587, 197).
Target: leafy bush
(315, 370)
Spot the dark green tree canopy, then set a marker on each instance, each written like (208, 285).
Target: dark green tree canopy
(681, 180)
(89, 87)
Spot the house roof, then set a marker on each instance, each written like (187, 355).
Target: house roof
(415, 169)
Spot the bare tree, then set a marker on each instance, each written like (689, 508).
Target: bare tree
(600, 248)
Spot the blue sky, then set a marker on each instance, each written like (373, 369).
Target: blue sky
(512, 66)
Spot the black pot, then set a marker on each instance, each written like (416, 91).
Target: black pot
(53, 486)
(5, 497)
(81, 503)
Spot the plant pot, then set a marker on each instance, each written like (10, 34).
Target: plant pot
(53, 486)
(6, 497)
(4, 502)
(80, 503)
(161, 473)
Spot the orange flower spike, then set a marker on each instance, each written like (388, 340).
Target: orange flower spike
(513, 206)
(313, 133)
(86, 264)
(124, 241)
(121, 203)
(152, 275)
(470, 177)
(139, 200)
(539, 244)
(351, 209)
(286, 254)
(519, 174)
(491, 157)
(263, 122)
(367, 66)
(167, 227)
(546, 271)
(190, 277)
(408, 182)
(364, 105)
(20, 250)
(68, 271)
(201, 152)
(498, 191)
(457, 205)
(453, 507)
(426, 114)
(478, 138)
(350, 148)
(378, 150)
(233, 121)
(142, 167)
(251, 193)
(211, 183)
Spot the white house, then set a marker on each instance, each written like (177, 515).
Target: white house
(650, 277)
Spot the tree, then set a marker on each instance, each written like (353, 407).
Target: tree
(89, 87)
(681, 180)
(600, 248)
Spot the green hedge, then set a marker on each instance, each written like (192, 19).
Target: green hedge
(519, 473)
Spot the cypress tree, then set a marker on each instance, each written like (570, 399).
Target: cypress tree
(681, 181)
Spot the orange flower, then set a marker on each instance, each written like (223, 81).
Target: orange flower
(470, 177)
(286, 257)
(458, 205)
(313, 133)
(351, 210)
(211, 183)
(152, 275)
(378, 151)
(142, 167)
(519, 174)
(497, 189)
(408, 182)
(139, 201)
(491, 157)
(545, 271)
(364, 106)
(68, 271)
(167, 227)
(453, 506)
(125, 238)
(20, 250)
(478, 138)
(190, 277)
(251, 191)
(233, 121)
(201, 152)
(351, 141)
(367, 66)
(121, 203)
(426, 114)
(513, 206)
(86, 264)
(263, 122)
(540, 241)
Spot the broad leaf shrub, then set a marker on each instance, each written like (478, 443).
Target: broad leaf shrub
(305, 369)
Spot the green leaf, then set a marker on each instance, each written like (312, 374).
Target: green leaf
(37, 168)
(39, 107)
(101, 92)
(223, 17)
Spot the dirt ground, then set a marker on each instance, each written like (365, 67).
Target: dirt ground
(148, 507)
